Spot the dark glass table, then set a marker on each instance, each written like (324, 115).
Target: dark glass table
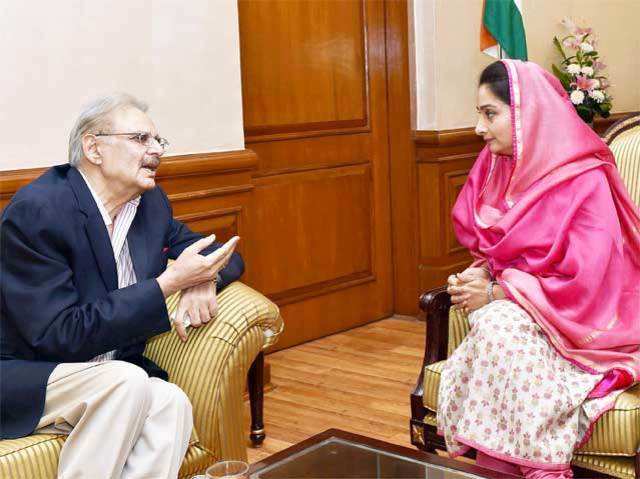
(338, 454)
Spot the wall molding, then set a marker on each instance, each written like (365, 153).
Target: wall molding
(208, 163)
(175, 166)
(319, 289)
(454, 137)
(467, 136)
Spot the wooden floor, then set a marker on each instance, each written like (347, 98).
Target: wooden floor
(358, 381)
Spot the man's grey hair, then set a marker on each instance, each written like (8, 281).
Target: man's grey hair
(95, 116)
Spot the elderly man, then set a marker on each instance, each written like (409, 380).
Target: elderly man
(84, 252)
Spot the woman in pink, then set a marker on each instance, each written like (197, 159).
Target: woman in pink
(554, 293)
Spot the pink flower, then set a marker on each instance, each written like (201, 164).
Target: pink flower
(571, 42)
(580, 31)
(584, 83)
(598, 65)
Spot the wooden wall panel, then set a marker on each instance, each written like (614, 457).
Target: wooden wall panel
(453, 183)
(403, 170)
(321, 248)
(303, 65)
(443, 163)
(224, 222)
(315, 112)
(12, 180)
(311, 153)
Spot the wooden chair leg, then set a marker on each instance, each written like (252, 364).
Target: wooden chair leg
(256, 400)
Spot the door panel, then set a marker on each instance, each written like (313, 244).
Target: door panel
(315, 112)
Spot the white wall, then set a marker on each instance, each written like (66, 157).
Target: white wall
(182, 58)
(423, 68)
(448, 61)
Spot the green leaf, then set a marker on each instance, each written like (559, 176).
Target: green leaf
(585, 113)
(564, 77)
(603, 109)
(556, 42)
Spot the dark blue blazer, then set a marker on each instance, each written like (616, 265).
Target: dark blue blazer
(59, 296)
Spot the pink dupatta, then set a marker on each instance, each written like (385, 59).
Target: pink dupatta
(558, 230)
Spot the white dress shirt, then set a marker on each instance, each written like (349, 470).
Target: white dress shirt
(118, 230)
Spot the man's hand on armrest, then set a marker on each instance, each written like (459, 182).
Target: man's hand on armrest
(198, 305)
(198, 275)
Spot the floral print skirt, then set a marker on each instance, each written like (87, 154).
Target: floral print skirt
(507, 392)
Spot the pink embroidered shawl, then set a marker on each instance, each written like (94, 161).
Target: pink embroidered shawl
(558, 230)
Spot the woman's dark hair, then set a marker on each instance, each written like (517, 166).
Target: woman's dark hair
(495, 76)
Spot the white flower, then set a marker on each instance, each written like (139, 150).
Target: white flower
(573, 68)
(586, 47)
(569, 24)
(597, 95)
(596, 83)
(577, 97)
(587, 71)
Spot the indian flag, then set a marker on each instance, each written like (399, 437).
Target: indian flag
(502, 31)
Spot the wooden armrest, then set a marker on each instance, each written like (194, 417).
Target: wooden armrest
(435, 303)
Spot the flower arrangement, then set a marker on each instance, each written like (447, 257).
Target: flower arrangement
(580, 72)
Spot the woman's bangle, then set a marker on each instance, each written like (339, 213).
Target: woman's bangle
(490, 286)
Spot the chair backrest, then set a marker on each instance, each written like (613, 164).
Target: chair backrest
(624, 140)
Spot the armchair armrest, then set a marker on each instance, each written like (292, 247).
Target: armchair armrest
(435, 303)
(211, 367)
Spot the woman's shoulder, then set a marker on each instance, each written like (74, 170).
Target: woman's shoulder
(583, 188)
(590, 181)
(592, 176)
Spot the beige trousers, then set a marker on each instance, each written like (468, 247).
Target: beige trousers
(120, 423)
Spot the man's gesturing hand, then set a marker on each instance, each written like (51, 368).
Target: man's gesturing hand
(191, 268)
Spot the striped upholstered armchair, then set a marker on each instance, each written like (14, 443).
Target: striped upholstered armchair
(211, 367)
(614, 447)
(624, 140)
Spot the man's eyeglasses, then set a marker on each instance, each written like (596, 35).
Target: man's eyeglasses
(141, 137)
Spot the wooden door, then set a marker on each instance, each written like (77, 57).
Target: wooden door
(315, 113)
